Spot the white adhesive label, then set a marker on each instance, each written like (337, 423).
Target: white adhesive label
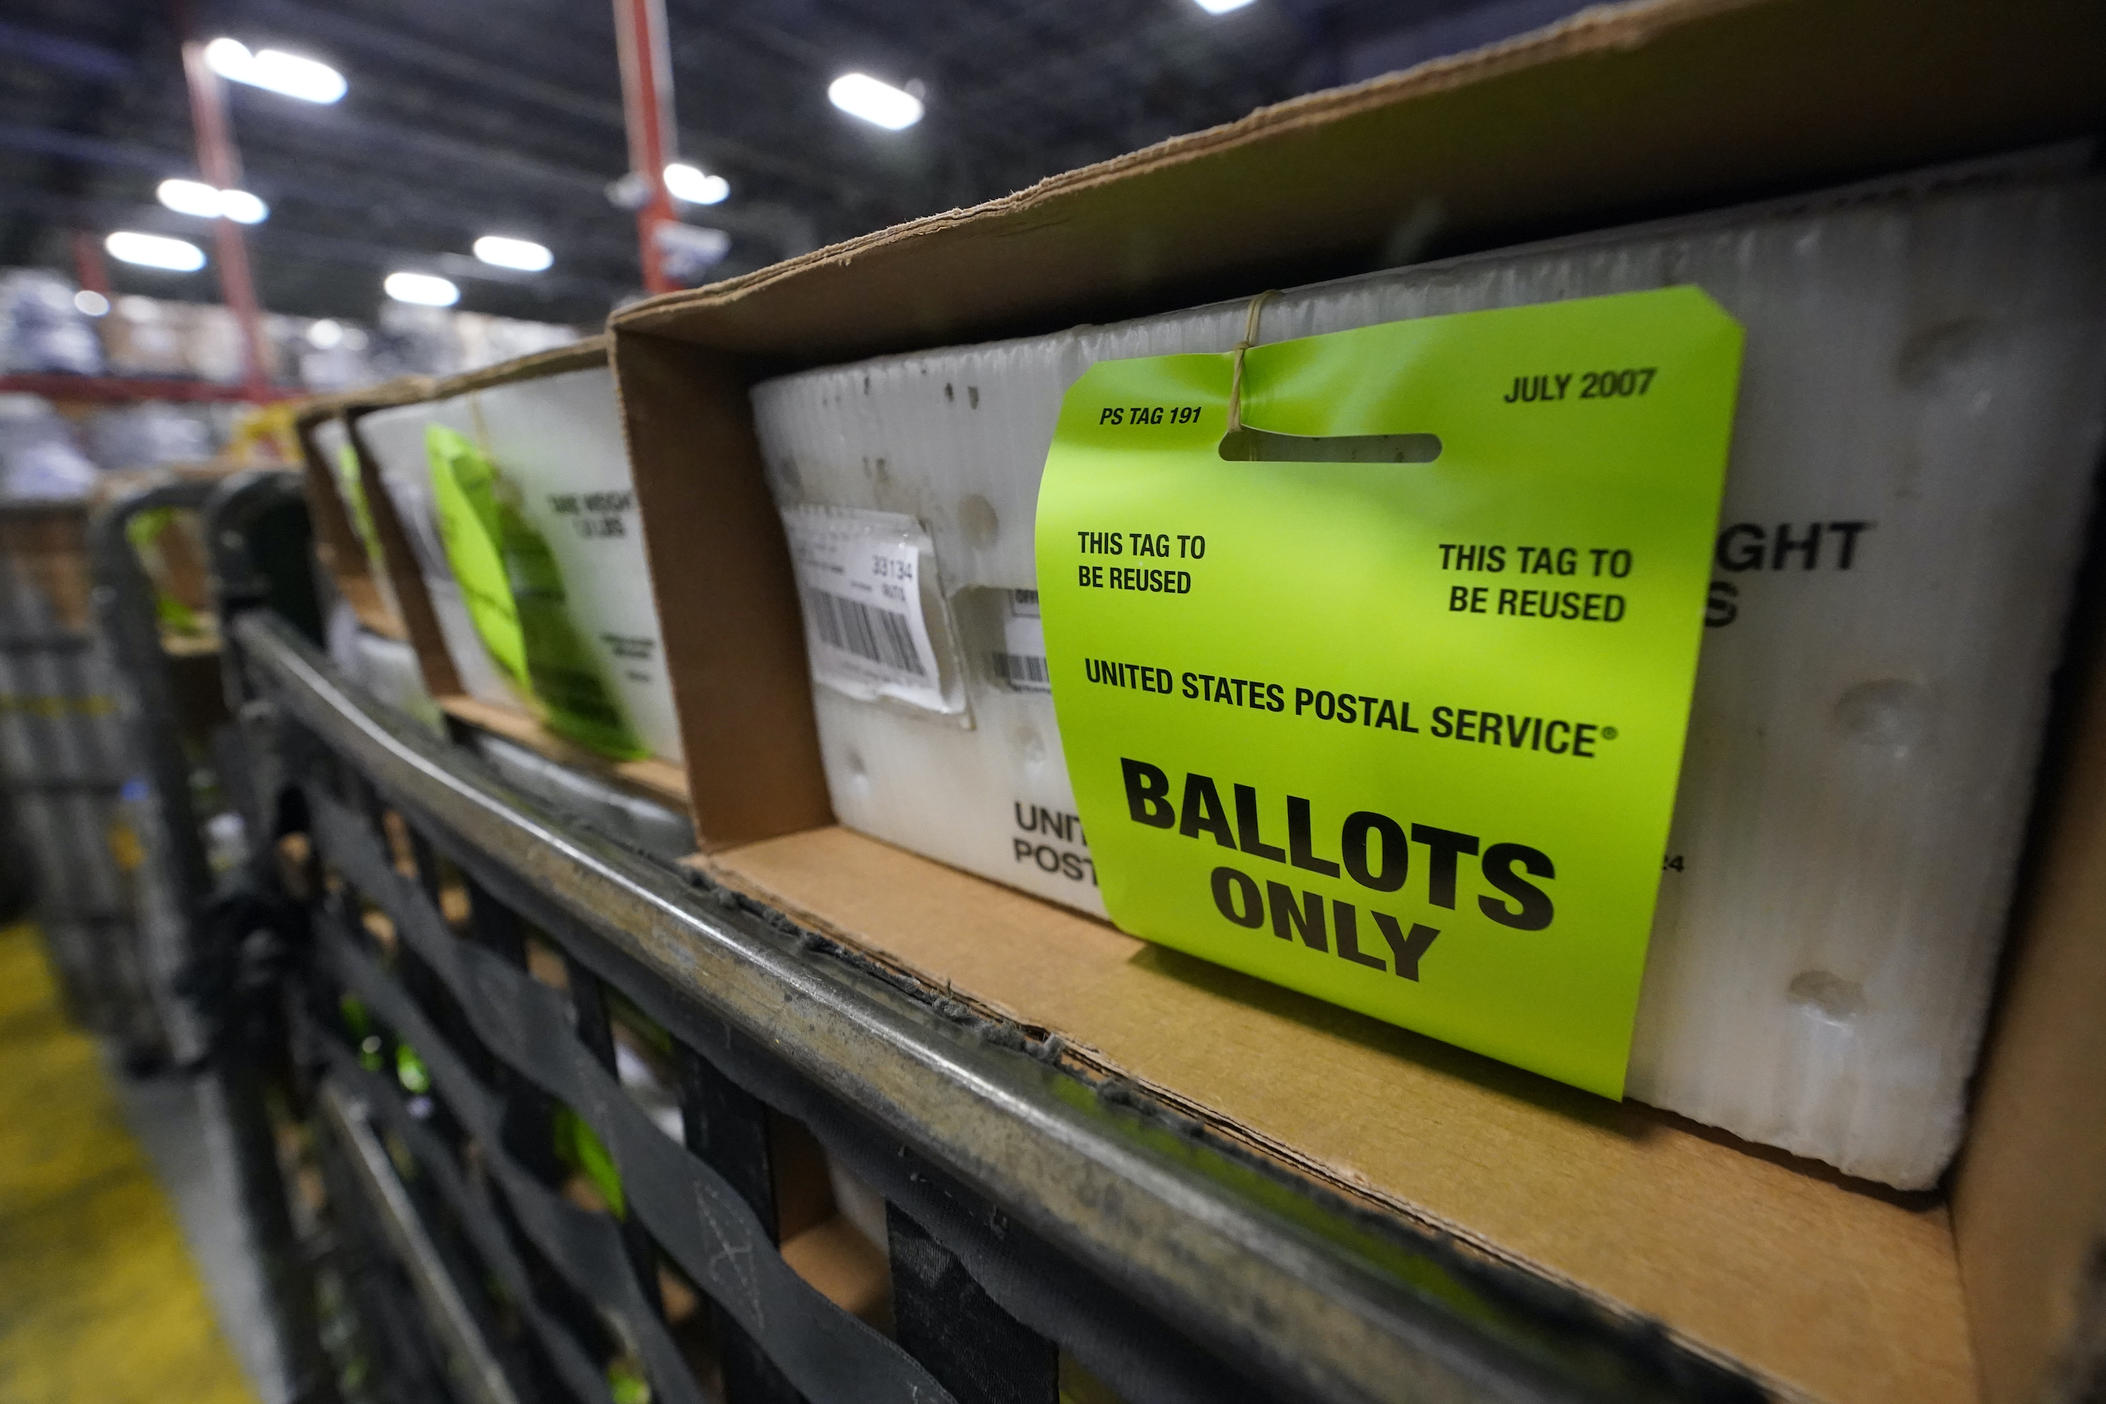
(863, 578)
(1021, 661)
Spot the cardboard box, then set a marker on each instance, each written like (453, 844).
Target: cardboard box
(1811, 1284)
(412, 558)
(337, 540)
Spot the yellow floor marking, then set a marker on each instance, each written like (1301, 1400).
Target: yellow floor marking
(99, 1299)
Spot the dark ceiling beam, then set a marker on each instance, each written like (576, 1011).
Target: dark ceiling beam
(268, 243)
(983, 152)
(787, 229)
(82, 60)
(332, 27)
(359, 193)
(509, 83)
(378, 137)
(780, 232)
(91, 150)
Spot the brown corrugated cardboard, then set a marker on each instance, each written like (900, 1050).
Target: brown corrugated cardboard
(657, 779)
(2029, 1199)
(1828, 1287)
(1816, 1285)
(398, 558)
(336, 541)
(734, 640)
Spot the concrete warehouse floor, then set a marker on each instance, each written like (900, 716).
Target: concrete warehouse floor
(99, 1298)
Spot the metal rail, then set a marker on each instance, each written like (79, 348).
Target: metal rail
(450, 1316)
(1170, 1265)
(124, 608)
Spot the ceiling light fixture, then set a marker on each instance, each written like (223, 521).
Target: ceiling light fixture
(291, 75)
(190, 197)
(325, 334)
(90, 303)
(155, 251)
(423, 289)
(875, 101)
(522, 254)
(242, 207)
(194, 197)
(694, 185)
(1220, 7)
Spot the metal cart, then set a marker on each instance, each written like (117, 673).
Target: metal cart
(440, 976)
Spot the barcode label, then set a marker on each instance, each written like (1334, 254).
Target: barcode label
(860, 578)
(1021, 660)
(1024, 671)
(883, 636)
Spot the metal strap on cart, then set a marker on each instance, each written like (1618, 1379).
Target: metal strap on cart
(1032, 1213)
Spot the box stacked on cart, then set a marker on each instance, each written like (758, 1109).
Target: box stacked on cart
(512, 496)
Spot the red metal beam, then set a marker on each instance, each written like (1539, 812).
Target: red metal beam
(89, 270)
(647, 112)
(220, 165)
(103, 389)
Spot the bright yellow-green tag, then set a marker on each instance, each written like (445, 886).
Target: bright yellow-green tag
(514, 592)
(353, 491)
(464, 495)
(144, 531)
(1392, 712)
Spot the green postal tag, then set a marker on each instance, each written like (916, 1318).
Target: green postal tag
(1400, 734)
(515, 597)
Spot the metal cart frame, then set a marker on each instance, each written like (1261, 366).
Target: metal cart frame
(1034, 1213)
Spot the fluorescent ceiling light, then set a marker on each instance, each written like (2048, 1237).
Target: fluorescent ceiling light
(242, 207)
(190, 197)
(522, 254)
(424, 289)
(90, 304)
(879, 103)
(1220, 7)
(194, 197)
(274, 69)
(155, 251)
(692, 184)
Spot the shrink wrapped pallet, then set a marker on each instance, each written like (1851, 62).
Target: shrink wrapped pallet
(1911, 471)
(555, 444)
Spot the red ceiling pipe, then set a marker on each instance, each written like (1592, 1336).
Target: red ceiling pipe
(647, 111)
(89, 270)
(220, 165)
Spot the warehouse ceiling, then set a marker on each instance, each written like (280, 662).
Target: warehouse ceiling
(471, 117)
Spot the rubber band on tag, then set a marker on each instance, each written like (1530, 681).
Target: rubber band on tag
(482, 434)
(1241, 444)
(1250, 339)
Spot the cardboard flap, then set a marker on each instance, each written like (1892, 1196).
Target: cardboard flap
(1817, 1284)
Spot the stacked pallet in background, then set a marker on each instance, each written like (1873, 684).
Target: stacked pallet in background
(65, 764)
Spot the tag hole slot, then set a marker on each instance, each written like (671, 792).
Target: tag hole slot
(1248, 445)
